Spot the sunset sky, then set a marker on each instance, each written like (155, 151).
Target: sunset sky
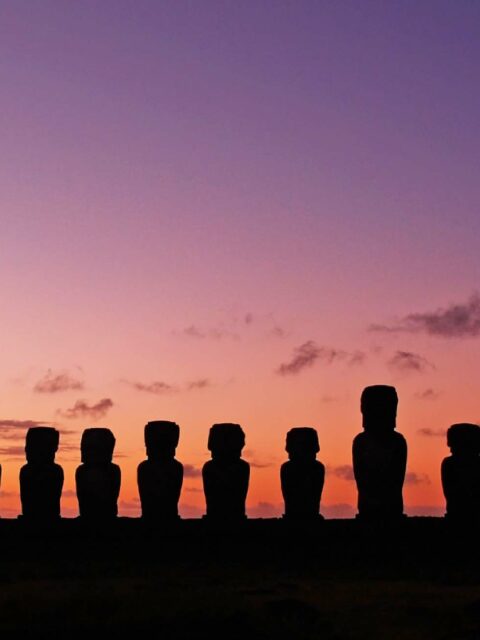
(238, 211)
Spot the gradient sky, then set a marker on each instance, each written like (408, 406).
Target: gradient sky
(195, 193)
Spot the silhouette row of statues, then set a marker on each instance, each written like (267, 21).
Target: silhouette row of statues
(379, 464)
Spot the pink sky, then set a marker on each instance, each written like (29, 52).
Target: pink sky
(191, 192)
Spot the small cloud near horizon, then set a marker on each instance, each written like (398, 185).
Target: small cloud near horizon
(432, 433)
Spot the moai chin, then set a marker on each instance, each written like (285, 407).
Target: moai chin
(226, 475)
(97, 478)
(303, 476)
(160, 477)
(379, 456)
(41, 479)
(461, 473)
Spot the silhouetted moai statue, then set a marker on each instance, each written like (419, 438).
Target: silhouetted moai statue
(379, 456)
(302, 477)
(97, 478)
(160, 477)
(226, 475)
(461, 473)
(41, 479)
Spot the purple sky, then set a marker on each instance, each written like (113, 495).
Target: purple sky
(175, 164)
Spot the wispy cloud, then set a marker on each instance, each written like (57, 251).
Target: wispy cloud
(201, 383)
(213, 333)
(56, 382)
(432, 433)
(343, 471)
(162, 388)
(308, 353)
(81, 409)
(7, 425)
(190, 471)
(15, 429)
(406, 361)
(157, 387)
(461, 320)
(416, 478)
(427, 394)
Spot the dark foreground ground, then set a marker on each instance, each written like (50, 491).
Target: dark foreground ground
(342, 580)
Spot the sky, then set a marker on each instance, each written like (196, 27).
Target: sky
(238, 212)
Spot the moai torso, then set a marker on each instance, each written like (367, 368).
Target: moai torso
(97, 478)
(461, 473)
(379, 456)
(41, 479)
(160, 477)
(226, 476)
(302, 477)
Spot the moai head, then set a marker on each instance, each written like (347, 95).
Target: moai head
(464, 439)
(41, 445)
(379, 408)
(226, 441)
(161, 439)
(302, 443)
(97, 446)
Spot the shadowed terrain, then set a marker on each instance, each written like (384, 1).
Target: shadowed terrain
(338, 579)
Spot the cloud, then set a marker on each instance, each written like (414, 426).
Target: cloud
(8, 425)
(308, 353)
(338, 510)
(343, 471)
(305, 356)
(425, 510)
(13, 451)
(432, 433)
(213, 333)
(190, 511)
(201, 383)
(456, 321)
(158, 388)
(55, 382)
(189, 471)
(265, 510)
(416, 478)
(16, 429)
(357, 357)
(69, 493)
(81, 409)
(406, 361)
(427, 394)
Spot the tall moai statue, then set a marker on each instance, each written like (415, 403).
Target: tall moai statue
(226, 475)
(160, 477)
(97, 478)
(41, 479)
(303, 476)
(461, 473)
(379, 456)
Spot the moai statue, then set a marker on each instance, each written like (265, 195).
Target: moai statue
(97, 478)
(379, 456)
(160, 477)
(302, 477)
(461, 473)
(226, 475)
(41, 479)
